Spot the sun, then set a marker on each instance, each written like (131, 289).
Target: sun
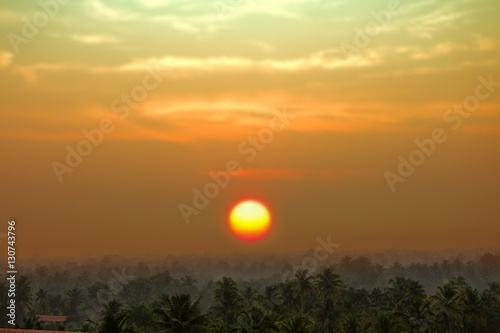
(249, 220)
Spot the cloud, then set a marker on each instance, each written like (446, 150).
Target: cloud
(484, 43)
(5, 59)
(315, 61)
(427, 25)
(268, 9)
(95, 39)
(285, 173)
(225, 106)
(31, 72)
(439, 49)
(197, 12)
(97, 9)
(322, 60)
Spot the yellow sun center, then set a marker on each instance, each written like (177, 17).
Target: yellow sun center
(249, 220)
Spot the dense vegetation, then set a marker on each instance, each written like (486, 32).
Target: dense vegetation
(320, 301)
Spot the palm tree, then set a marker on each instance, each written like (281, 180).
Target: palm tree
(250, 296)
(405, 293)
(448, 306)
(33, 323)
(221, 328)
(161, 302)
(55, 304)
(140, 316)
(352, 324)
(287, 295)
(388, 323)
(23, 296)
(473, 314)
(407, 298)
(491, 304)
(418, 317)
(41, 295)
(75, 298)
(329, 316)
(42, 300)
(355, 301)
(112, 308)
(181, 315)
(114, 320)
(304, 287)
(228, 301)
(115, 324)
(297, 324)
(328, 284)
(259, 320)
(271, 297)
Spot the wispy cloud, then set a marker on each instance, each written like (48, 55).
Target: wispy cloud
(315, 61)
(286, 173)
(95, 39)
(224, 106)
(439, 49)
(484, 43)
(187, 65)
(5, 59)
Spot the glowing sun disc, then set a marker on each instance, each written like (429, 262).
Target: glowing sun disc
(249, 220)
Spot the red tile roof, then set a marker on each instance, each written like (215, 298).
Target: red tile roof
(55, 319)
(11, 330)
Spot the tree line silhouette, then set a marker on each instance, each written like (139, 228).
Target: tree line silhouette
(344, 297)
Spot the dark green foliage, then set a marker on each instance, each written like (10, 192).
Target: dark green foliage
(179, 314)
(318, 302)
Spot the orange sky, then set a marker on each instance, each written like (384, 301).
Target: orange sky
(171, 91)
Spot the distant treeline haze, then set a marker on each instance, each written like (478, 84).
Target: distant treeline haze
(353, 295)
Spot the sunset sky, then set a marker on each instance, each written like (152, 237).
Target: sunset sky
(207, 79)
